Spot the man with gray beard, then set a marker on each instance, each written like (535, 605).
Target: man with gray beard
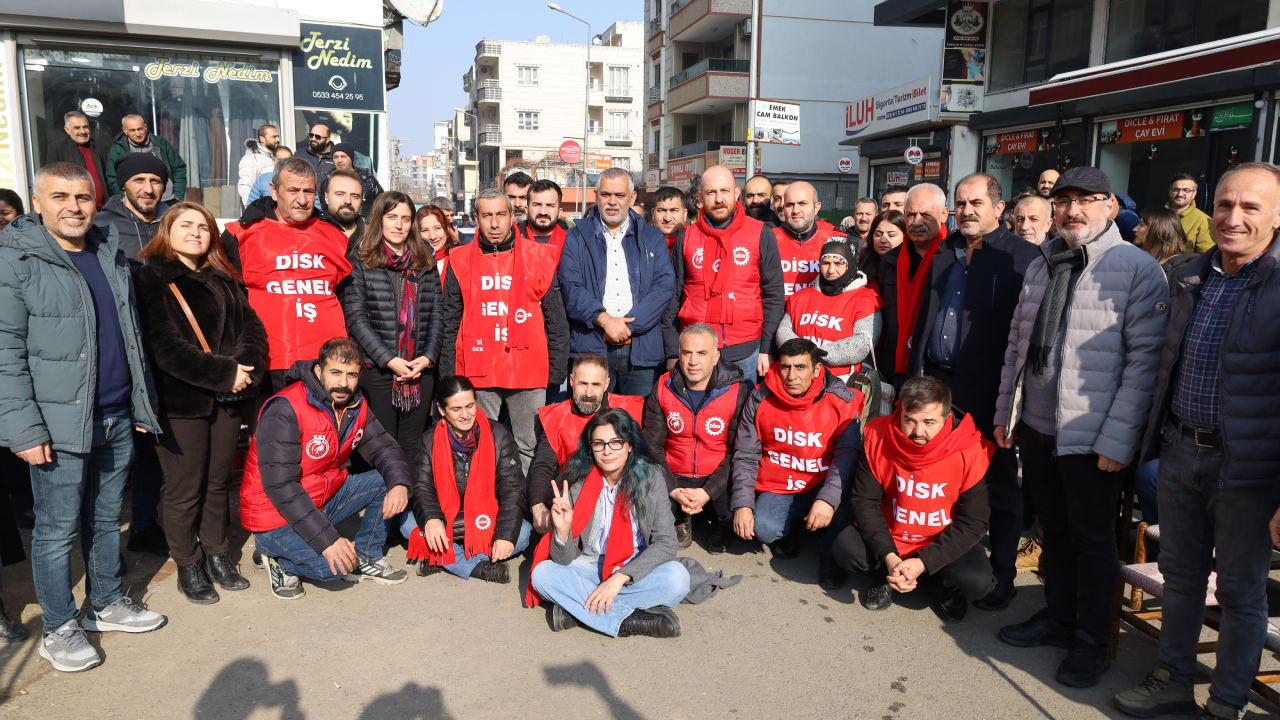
(1077, 385)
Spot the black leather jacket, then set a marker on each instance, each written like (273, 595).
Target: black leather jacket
(508, 485)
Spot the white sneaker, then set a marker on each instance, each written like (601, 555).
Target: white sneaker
(68, 649)
(123, 615)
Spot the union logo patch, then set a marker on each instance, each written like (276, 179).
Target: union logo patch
(318, 447)
(675, 423)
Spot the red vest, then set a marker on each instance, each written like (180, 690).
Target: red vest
(323, 457)
(556, 240)
(748, 310)
(800, 260)
(563, 426)
(696, 443)
(485, 278)
(798, 444)
(917, 504)
(291, 273)
(825, 319)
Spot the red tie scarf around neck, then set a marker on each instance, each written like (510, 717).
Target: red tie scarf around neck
(621, 544)
(481, 502)
(719, 257)
(910, 291)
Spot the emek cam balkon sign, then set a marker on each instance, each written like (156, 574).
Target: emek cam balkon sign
(336, 67)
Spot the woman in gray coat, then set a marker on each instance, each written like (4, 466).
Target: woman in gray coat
(614, 533)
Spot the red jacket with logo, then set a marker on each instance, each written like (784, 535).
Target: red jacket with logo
(828, 318)
(800, 259)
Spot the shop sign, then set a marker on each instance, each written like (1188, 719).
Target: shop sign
(597, 163)
(914, 155)
(339, 67)
(964, 60)
(570, 151)
(902, 106)
(12, 174)
(917, 172)
(1016, 142)
(681, 171)
(734, 158)
(91, 107)
(895, 177)
(651, 179)
(1144, 128)
(932, 169)
(1231, 116)
(776, 122)
(845, 164)
(213, 74)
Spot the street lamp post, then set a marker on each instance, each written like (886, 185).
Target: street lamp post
(586, 108)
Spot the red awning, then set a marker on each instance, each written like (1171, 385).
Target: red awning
(1236, 53)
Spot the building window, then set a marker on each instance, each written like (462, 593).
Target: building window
(528, 121)
(619, 82)
(656, 142)
(1033, 40)
(622, 163)
(526, 75)
(1146, 27)
(618, 126)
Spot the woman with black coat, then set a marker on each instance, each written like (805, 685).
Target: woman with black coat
(394, 308)
(207, 347)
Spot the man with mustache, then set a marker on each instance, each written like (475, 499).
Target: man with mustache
(757, 198)
(79, 148)
(343, 204)
(317, 150)
(559, 426)
(344, 158)
(296, 485)
(918, 508)
(801, 236)
(728, 274)
(904, 271)
(1078, 380)
(959, 337)
(516, 186)
(76, 387)
(670, 211)
(617, 282)
(779, 203)
(544, 222)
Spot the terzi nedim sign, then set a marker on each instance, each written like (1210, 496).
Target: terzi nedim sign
(217, 72)
(339, 68)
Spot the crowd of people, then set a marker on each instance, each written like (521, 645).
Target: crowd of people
(920, 387)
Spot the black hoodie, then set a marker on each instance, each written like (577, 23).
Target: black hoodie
(279, 440)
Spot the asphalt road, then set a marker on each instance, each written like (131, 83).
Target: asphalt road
(774, 646)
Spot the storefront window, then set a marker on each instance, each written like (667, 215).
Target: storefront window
(1033, 40)
(1146, 27)
(206, 106)
(1018, 158)
(931, 170)
(364, 130)
(1142, 153)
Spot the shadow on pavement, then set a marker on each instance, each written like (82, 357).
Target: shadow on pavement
(587, 675)
(410, 703)
(242, 688)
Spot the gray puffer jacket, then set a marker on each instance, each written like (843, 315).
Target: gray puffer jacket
(1113, 331)
(48, 339)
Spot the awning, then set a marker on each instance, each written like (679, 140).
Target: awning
(1236, 53)
(911, 13)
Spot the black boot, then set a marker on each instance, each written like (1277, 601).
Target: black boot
(224, 573)
(151, 541)
(719, 541)
(830, 575)
(954, 608)
(659, 622)
(999, 597)
(195, 585)
(561, 619)
(684, 532)
(10, 630)
(878, 597)
(786, 547)
(493, 572)
(425, 568)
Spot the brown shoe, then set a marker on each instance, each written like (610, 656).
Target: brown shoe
(1028, 556)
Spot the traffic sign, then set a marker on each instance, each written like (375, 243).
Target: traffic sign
(914, 155)
(570, 152)
(846, 164)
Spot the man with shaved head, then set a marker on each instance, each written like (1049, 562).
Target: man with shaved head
(757, 198)
(728, 275)
(801, 235)
(903, 273)
(959, 337)
(135, 137)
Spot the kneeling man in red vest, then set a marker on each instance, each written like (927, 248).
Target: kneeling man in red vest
(296, 487)
(559, 428)
(468, 492)
(919, 503)
(798, 444)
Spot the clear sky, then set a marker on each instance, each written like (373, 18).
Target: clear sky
(436, 56)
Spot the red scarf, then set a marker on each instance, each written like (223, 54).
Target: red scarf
(910, 291)
(620, 546)
(951, 439)
(517, 333)
(773, 381)
(481, 502)
(719, 258)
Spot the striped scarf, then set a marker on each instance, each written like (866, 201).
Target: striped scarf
(405, 395)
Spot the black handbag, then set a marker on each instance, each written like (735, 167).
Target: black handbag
(245, 394)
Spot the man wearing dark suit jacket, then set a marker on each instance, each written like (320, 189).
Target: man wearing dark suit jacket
(960, 335)
(79, 148)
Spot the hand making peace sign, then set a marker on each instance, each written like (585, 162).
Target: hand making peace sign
(562, 511)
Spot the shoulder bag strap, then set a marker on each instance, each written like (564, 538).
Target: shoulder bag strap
(190, 318)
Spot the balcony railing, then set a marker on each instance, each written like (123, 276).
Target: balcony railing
(487, 48)
(655, 94)
(618, 138)
(710, 65)
(701, 148)
(492, 128)
(490, 138)
(489, 95)
(489, 82)
(675, 6)
(655, 26)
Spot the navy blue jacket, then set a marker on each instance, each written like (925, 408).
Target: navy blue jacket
(582, 275)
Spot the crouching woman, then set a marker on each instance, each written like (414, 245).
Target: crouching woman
(610, 563)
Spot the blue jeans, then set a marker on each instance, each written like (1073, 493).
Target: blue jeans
(748, 366)
(147, 477)
(775, 513)
(570, 585)
(1198, 516)
(360, 492)
(464, 565)
(1144, 483)
(88, 487)
(624, 378)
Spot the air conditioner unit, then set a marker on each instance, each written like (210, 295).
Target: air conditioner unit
(746, 28)
(484, 70)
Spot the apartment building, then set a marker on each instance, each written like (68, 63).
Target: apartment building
(707, 59)
(463, 175)
(528, 98)
(421, 177)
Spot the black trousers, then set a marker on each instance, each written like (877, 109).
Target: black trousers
(1077, 504)
(968, 575)
(196, 456)
(716, 511)
(406, 426)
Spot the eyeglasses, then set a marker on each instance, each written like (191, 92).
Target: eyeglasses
(615, 444)
(1083, 202)
(314, 136)
(1181, 191)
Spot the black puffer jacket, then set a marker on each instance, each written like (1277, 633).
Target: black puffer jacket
(372, 309)
(508, 485)
(187, 378)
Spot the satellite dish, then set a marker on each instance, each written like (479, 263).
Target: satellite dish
(419, 11)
